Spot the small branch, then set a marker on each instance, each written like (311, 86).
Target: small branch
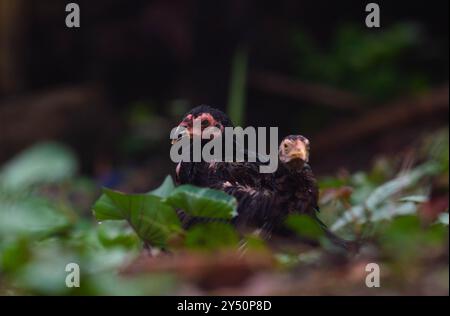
(320, 94)
(403, 111)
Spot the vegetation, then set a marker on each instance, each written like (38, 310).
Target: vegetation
(373, 102)
(45, 224)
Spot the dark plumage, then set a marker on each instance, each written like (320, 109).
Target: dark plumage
(295, 183)
(242, 180)
(253, 190)
(199, 173)
(218, 115)
(296, 186)
(264, 200)
(188, 172)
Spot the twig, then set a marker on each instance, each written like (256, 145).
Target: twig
(319, 94)
(404, 111)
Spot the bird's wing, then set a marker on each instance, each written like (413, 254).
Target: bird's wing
(255, 204)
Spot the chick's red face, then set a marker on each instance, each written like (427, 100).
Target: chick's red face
(196, 125)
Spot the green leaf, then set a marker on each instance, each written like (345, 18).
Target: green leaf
(115, 233)
(353, 214)
(42, 163)
(165, 189)
(385, 191)
(380, 204)
(45, 272)
(414, 198)
(153, 221)
(389, 210)
(255, 243)
(305, 226)
(107, 259)
(105, 209)
(211, 236)
(30, 216)
(405, 235)
(203, 202)
(14, 254)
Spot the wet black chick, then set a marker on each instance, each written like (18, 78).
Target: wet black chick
(296, 186)
(195, 173)
(264, 200)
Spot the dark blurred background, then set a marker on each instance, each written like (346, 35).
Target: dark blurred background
(113, 88)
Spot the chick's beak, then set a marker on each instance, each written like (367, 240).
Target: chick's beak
(299, 151)
(181, 132)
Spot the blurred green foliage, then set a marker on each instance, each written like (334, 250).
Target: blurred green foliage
(41, 231)
(211, 236)
(305, 226)
(371, 64)
(380, 194)
(237, 92)
(153, 216)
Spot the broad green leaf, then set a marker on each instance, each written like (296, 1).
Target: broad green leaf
(42, 163)
(14, 254)
(331, 182)
(414, 198)
(401, 236)
(305, 226)
(117, 233)
(363, 187)
(380, 204)
(390, 210)
(404, 235)
(45, 272)
(165, 189)
(358, 214)
(353, 214)
(255, 243)
(203, 202)
(105, 209)
(107, 259)
(383, 192)
(211, 236)
(30, 216)
(153, 221)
